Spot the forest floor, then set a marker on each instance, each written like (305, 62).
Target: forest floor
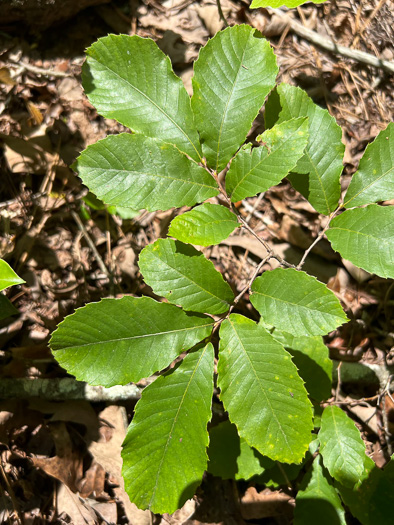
(60, 456)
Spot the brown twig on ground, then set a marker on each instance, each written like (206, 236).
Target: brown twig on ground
(39, 70)
(329, 45)
(65, 388)
(96, 254)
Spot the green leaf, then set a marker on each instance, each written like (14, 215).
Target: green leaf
(341, 446)
(321, 166)
(317, 500)
(164, 452)
(296, 302)
(128, 78)
(372, 499)
(7, 276)
(365, 236)
(118, 341)
(256, 170)
(234, 73)
(262, 392)
(205, 225)
(279, 3)
(138, 172)
(6, 307)
(374, 179)
(230, 457)
(183, 275)
(311, 357)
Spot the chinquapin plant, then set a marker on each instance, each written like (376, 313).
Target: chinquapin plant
(7, 278)
(271, 374)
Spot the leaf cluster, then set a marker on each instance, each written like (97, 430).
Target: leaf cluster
(269, 372)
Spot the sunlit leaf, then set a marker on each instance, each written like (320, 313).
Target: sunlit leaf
(317, 174)
(184, 276)
(118, 341)
(341, 446)
(296, 302)
(205, 225)
(128, 78)
(234, 73)
(365, 236)
(262, 392)
(279, 3)
(164, 452)
(374, 179)
(7, 276)
(138, 172)
(255, 170)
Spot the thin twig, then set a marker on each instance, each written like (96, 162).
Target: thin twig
(330, 45)
(40, 70)
(221, 13)
(245, 225)
(96, 254)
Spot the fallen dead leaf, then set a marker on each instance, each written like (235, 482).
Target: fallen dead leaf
(181, 515)
(107, 454)
(69, 503)
(266, 504)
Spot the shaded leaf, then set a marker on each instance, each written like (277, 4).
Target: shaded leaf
(296, 302)
(134, 171)
(7, 276)
(317, 500)
(262, 392)
(6, 307)
(183, 275)
(311, 357)
(230, 457)
(256, 170)
(118, 341)
(234, 73)
(164, 452)
(365, 236)
(129, 79)
(372, 499)
(205, 225)
(341, 446)
(374, 179)
(321, 167)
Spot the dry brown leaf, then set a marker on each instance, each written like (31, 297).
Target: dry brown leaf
(67, 465)
(181, 515)
(69, 503)
(5, 77)
(108, 455)
(35, 114)
(265, 504)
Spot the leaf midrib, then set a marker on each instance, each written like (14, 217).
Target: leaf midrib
(152, 175)
(227, 104)
(174, 422)
(96, 343)
(261, 387)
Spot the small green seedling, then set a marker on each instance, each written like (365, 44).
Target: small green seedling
(271, 374)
